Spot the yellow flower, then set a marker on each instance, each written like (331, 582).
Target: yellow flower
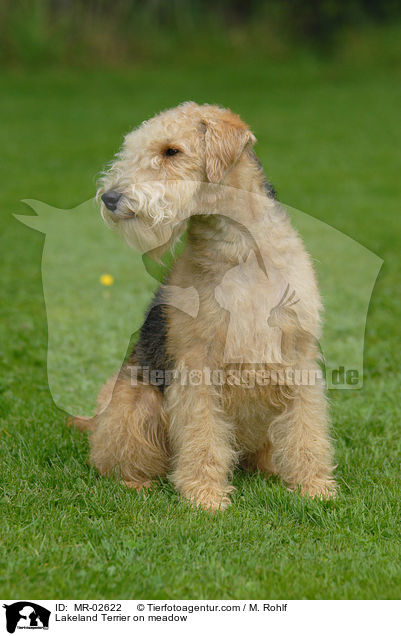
(107, 279)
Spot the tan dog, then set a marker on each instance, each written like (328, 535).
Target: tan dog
(258, 318)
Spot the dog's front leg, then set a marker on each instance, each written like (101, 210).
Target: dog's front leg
(301, 448)
(202, 444)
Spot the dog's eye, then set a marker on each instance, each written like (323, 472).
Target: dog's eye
(169, 152)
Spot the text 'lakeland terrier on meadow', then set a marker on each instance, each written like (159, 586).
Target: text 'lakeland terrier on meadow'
(225, 370)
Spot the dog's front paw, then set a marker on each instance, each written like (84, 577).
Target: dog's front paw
(319, 489)
(208, 499)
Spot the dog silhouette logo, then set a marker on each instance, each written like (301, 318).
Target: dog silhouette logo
(26, 615)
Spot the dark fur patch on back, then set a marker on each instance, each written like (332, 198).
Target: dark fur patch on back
(269, 187)
(150, 350)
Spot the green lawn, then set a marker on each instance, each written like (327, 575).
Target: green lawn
(329, 139)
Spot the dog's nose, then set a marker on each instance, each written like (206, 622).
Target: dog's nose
(110, 199)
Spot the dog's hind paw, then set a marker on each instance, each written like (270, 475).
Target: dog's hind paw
(138, 485)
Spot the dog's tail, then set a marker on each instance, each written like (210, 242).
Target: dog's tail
(85, 424)
(89, 424)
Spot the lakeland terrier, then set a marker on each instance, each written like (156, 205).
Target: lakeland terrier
(258, 317)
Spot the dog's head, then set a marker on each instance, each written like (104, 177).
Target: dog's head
(160, 176)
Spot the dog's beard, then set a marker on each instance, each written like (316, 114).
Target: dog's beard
(155, 238)
(153, 214)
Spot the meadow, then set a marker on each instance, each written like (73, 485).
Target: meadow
(328, 137)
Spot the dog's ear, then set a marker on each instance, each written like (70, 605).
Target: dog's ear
(226, 137)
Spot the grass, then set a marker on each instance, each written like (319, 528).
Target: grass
(329, 138)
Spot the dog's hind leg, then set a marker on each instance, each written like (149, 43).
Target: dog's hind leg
(129, 437)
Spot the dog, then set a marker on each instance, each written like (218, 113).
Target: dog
(193, 168)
